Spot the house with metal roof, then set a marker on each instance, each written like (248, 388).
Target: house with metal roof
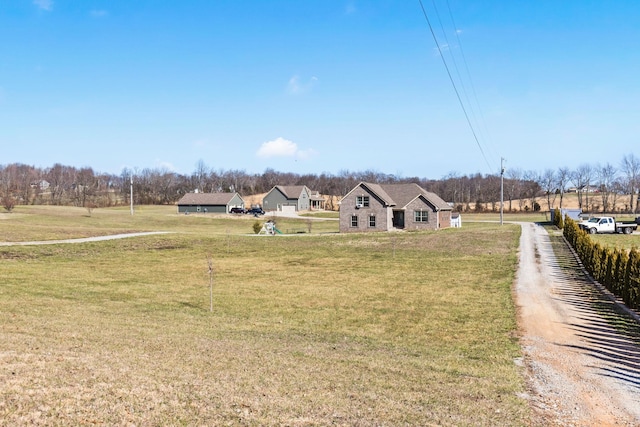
(209, 202)
(386, 207)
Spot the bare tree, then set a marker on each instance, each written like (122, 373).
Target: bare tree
(547, 181)
(606, 175)
(6, 181)
(61, 179)
(450, 188)
(562, 179)
(631, 168)
(8, 202)
(492, 192)
(514, 187)
(581, 178)
(532, 188)
(617, 189)
(200, 176)
(84, 186)
(22, 177)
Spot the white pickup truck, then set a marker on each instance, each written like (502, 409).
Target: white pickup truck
(607, 224)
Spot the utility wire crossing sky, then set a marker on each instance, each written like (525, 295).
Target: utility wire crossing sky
(319, 86)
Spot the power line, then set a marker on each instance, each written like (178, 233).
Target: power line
(444, 62)
(453, 58)
(473, 88)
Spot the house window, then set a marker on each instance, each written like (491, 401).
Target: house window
(372, 221)
(362, 201)
(421, 216)
(354, 221)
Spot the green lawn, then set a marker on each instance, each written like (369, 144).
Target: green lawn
(622, 241)
(311, 329)
(507, 217)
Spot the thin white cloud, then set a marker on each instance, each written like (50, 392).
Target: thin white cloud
(294, 84)
(296, 87)
(305, 154)
(443, 48)
(281, 147)
(164, 165)
(99, 13)
(44, 4)
(278, 147)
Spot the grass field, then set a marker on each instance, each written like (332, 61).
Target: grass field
(312, 329)
(621, 241)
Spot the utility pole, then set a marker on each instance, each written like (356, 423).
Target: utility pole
(501, 190)
(131, 195)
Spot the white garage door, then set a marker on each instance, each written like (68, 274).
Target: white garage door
(288, 209)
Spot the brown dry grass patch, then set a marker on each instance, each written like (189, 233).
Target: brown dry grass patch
(406, 329)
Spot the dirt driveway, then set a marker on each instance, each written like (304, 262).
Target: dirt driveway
(581, 370)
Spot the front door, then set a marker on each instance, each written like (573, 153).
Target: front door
(398, 219)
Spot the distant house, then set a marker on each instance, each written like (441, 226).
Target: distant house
(317, 201)
(209, 202)
(283, 198)
(384, 207)
(588, 189)
(41, 185)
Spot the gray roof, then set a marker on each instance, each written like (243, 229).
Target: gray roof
(291, 191)
(206, 199)
(400, 195)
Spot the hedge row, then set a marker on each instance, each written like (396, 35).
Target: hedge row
(557, 219)
(618, 270)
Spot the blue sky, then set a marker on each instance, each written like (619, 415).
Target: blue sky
(319, 85)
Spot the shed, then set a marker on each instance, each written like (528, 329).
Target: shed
(456, 220)
(209, 202)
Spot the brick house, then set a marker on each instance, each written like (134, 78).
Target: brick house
(385, 207)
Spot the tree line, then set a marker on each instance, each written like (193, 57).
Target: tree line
(599, 187)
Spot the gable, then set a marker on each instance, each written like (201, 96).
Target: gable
(419, 202)
(399, 195)
(403, 194)
(372, 190)
(292, 192)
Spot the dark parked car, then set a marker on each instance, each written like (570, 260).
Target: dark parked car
(255, 211)
(237, 210)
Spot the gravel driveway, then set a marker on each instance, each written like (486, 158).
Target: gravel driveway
(83, 239)
(581, 371)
